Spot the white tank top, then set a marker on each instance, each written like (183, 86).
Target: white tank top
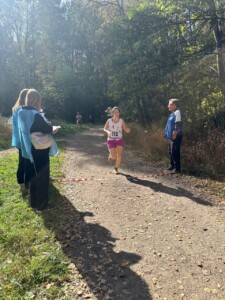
(116, 130)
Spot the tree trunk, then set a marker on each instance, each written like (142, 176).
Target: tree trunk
(218, 35)
(145, 108)
(141, 117)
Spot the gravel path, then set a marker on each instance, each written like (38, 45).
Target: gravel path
(139, 235)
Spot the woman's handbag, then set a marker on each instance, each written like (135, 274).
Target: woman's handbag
(40, 140)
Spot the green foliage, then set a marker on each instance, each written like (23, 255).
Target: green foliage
(85, 56)
(67, 128)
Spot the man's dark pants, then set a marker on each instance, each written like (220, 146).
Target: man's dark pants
(174, 153)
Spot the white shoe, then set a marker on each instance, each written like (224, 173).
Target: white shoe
(116, 171)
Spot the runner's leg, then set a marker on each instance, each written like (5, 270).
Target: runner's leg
(119, 154)
(112, 154)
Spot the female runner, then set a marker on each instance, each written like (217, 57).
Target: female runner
(114, 128)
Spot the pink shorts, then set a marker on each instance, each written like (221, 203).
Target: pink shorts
(115, 143)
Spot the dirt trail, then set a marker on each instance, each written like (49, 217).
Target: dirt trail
(8, 151)
(140, 236)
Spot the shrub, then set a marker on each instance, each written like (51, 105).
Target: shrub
(148, 141)
(5, 134)
(206, 155)
(199, 155)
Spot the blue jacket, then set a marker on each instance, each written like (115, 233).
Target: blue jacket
(171, 126)
(25, 121)
(15, 129)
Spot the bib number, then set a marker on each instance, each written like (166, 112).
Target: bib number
(115, 134)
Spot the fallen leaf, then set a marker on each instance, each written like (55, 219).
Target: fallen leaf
(125, 264)
(206, 272)
(199, 264)
(79, 293)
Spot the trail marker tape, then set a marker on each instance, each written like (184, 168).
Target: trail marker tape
(81, 180)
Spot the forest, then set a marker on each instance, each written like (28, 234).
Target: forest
(86, 55)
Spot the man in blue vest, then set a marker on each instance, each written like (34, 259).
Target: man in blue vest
(173, 133)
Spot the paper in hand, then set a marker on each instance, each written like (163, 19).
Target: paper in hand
(55, 127)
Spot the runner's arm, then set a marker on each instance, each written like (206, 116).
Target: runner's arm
(106, 128)
(125, 128)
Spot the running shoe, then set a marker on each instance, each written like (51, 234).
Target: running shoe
(116, 171)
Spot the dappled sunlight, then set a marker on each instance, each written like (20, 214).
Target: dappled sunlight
(90, 150)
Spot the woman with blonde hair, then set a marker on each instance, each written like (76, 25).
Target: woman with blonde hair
(36, 144)
(21, 174)
(114, 129)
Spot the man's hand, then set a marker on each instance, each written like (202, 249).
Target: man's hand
(175, 133)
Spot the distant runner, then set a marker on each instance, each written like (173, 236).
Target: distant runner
(78, 118)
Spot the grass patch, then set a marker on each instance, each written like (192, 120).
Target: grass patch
(32, 263)
(68, 128)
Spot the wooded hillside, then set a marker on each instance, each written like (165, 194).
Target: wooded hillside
(85, 55)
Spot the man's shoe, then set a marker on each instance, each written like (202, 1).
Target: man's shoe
(174, 171)
(170, 168)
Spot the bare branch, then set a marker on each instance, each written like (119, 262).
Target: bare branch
(214, 70)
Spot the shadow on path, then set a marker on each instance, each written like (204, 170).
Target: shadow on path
(90, 247)
(159, 187)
